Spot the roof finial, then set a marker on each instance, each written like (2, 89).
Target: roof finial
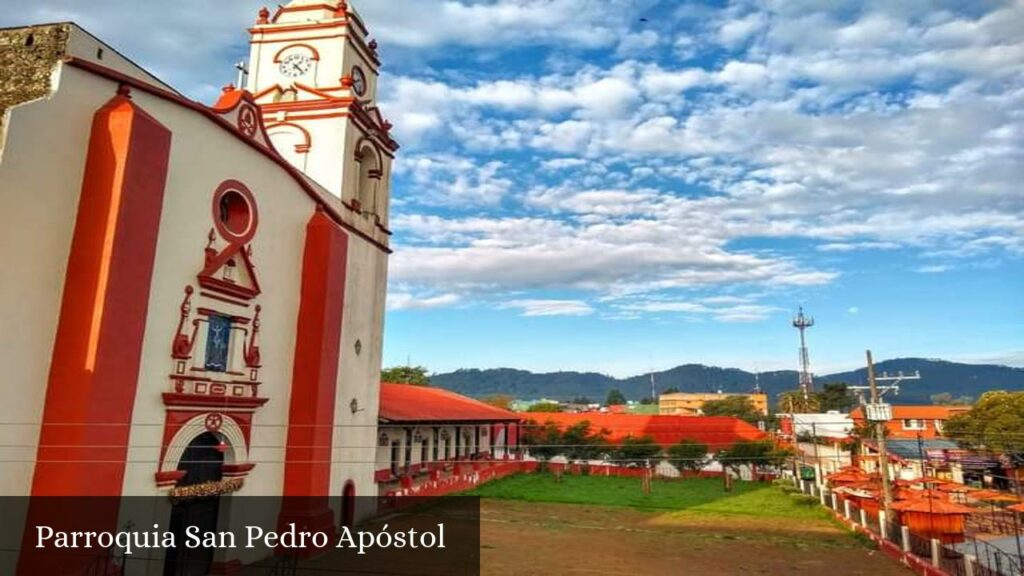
(264, 16)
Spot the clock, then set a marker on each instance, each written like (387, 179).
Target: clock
(295, 65)
(358, 81)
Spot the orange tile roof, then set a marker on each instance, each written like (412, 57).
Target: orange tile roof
(717, 432)
(408, 403)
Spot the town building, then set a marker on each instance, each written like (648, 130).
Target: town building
(198, 290)
(430, 436)
(715, 432)
(911, 422)
(692, 403)
(831, 425)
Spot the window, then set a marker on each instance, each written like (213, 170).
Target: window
(913, 424)
(218, 339)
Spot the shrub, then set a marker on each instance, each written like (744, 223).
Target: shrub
(804, 499)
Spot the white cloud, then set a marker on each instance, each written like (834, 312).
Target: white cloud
(407, 301)
(550, 307)
(454, 181)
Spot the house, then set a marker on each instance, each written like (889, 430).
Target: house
(428, 435)
(692, 403)
(198, 290)
(832, 425)
(910, 422)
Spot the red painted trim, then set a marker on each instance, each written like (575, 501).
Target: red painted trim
(285, 9)
(206, 401)
(296, 175)
(253, 212)
(223, 299)
(307, 139)
(313, 25)
(300, 38)
(94, 369)
(316, 53)
(307, 468)
(168, 477)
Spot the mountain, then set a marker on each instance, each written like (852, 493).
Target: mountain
(937, 376)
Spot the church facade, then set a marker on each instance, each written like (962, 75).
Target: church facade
(193, 296)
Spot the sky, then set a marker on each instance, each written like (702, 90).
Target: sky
(626, 185)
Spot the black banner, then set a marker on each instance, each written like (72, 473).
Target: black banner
(199, 534)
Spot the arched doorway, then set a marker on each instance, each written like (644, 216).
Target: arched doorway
(348, 505)
(203, 461)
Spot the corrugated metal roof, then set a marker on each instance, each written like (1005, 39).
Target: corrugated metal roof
(909, 449)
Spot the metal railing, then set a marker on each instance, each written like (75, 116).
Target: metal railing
(991, 560)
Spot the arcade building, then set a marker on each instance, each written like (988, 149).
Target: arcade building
(193, 295)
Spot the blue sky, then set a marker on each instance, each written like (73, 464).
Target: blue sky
(621, 185)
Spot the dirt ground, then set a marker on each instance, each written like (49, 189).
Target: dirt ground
(529, 538)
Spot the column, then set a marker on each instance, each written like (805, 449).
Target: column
(94, 367)
(307, 467)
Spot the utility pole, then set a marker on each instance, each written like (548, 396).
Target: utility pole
(879, 424)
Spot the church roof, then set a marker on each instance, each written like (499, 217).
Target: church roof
(409, 403)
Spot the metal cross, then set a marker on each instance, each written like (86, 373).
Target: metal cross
(243, 74)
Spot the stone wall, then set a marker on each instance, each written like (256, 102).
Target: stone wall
(28, 57)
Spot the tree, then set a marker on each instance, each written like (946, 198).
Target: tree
(543, 441)
(636, 450)
(579, 442)
(753, 453)
(545, 407)
(647, 401)
(994, 423)
(581, 400)
(688, 455)
(615, 398)
(740, 407)
(835, 396)
(794, 402)
(503, 401)
(415, 375)
(670, 390)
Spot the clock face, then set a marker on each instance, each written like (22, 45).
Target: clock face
(295, 65)
(358, 81)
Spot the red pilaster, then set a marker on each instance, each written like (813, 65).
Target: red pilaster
(307, 470)
(95, 364)
(94, 369)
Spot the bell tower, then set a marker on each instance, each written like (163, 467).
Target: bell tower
(313, 70)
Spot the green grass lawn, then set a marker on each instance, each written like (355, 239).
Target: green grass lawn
(698, 496)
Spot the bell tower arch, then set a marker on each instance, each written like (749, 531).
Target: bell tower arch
(313, 71)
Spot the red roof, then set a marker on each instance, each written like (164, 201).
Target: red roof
(918, 412)
(716, 432)
(408, 403)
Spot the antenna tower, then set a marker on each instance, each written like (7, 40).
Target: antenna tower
(802, 322)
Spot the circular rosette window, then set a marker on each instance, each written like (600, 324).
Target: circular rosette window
(234, 212)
